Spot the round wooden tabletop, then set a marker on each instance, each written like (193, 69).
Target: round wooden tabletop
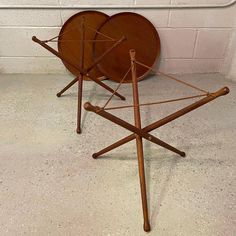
(141, 35)
(69, 44)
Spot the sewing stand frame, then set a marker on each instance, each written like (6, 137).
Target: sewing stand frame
(139, 133)
(83, 71)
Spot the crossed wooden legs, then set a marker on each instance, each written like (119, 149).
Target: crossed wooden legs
(83, 72)
(165, 120)
(139, 133)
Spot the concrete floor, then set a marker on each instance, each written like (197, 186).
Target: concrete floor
(50, 185)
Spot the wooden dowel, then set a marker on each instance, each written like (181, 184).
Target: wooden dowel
(89, 107)
(59, 55)
(203, 101)
(79, 105)
(82, 71)
(139, 143)
(67, 86)
(164, 121)
(81, 77)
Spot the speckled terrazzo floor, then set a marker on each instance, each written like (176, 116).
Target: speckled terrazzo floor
(50, 185)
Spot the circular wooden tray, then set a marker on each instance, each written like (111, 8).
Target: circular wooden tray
(141, 35)
(70, 34)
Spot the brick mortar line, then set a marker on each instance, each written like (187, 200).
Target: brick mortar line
(49, 57)
(167, 58)
(195, 44)
(161, 27)
(169, 15)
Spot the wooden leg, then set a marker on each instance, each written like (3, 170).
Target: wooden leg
(139, 143)
(114, 145)
(80, 92)
(132, 137)
(165, 120)
(83, 71)
(67, 87)
(81, 76)
(146, 225)
(98, 110)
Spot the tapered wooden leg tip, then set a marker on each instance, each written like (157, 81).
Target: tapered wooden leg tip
(226, 90)
(58, 95)
(95, 156)
(123, 98)
(78, 131)
(146, 227)
(183, 154)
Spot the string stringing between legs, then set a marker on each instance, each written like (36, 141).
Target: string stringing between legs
(98, 32)
(172, 77)
(72, 28)
(122, 80)
(156, 103)
(205, 93)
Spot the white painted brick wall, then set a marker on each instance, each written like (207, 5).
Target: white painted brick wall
(211, 43)
(193, 40)
(177, 43)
